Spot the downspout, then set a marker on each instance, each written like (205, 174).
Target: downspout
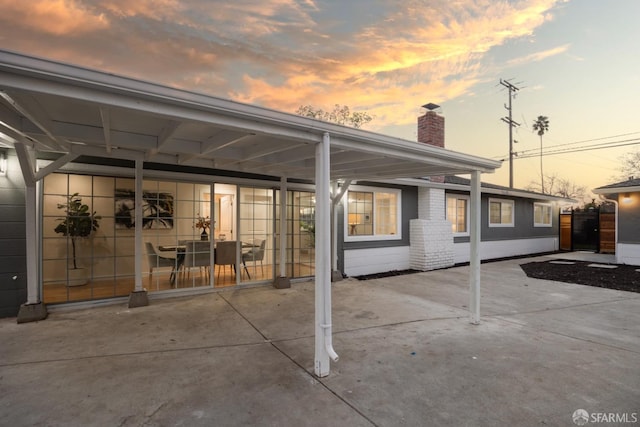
(324, 351)
(326, 218)
(615, 203)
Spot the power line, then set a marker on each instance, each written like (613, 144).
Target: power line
(615, 144)
(525, 152)
(528, 153)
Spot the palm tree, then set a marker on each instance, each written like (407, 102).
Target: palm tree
(541, 125)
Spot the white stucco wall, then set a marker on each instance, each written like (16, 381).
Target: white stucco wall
(506, 248)
(627, 253)
(375, 260)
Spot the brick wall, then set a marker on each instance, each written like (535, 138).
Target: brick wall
(431, 237)
(431, 203)
(431, 244)
(431, 131)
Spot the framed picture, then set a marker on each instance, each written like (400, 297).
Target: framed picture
(157, 209)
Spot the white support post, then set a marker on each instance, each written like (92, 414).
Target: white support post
(474, 256)
(334, 228)
(212, 235)
(337, 194)
(323, 343)
(281, 281)
(138, 298)
(283, 226)
(33, 310)
(138, 227)
(33, 291)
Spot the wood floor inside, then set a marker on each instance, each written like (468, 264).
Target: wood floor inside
(160, 281)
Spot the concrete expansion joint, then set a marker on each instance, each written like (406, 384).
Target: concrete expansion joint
(552, 332)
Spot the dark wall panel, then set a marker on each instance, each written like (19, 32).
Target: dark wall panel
(13, 269)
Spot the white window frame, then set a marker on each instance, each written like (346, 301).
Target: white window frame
(543, 205)
(502, 201)
(466, 215)
(374, 237)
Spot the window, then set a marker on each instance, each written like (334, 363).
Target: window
(542, 215)
(372, 214)
(500, 213)
(457, 213)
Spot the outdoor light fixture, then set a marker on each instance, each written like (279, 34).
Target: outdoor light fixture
(626, 198)
(3, 162)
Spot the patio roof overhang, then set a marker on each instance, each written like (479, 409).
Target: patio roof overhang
(60, 108)
(47, 106)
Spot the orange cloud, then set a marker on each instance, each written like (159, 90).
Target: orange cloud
(57, 17)
(284, 53)
(394, 65)
(155, 9)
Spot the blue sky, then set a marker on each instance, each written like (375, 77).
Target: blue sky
(576, 61)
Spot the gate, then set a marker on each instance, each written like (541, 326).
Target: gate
(585, 227)
(565, 232)
(607, 233)
(591, 230)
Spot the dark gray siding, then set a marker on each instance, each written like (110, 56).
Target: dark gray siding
(629, 220)
(13, 266)
(523, 224)
(409, 212)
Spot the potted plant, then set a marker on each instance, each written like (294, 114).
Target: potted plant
(77, 223)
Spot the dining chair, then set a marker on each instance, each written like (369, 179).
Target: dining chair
(225, 255)
(256, 253)
(197, 254)
(158, 261)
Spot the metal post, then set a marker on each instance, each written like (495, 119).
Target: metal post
(138, 227)
(474, 228)
(281, 280)
(33, 291)
(508, 120)
(138, 298)
(283, 226)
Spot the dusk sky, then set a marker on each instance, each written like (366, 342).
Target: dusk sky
(575, 61)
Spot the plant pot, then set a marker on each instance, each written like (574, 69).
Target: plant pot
(77, 276)
(204, 235)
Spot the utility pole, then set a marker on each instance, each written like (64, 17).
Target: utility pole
(508, 120)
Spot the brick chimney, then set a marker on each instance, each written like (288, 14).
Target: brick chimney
(431, 131)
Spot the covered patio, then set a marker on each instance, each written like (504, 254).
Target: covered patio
(65, 112)
(408, 357)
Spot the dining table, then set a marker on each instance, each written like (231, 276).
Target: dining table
(180, 250)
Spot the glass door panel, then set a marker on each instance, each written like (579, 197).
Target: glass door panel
(256, 222)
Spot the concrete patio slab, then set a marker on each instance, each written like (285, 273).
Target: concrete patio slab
(408, 356)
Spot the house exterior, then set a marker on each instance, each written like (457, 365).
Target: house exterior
(434, 227)
(153, 162)
(626, 197)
